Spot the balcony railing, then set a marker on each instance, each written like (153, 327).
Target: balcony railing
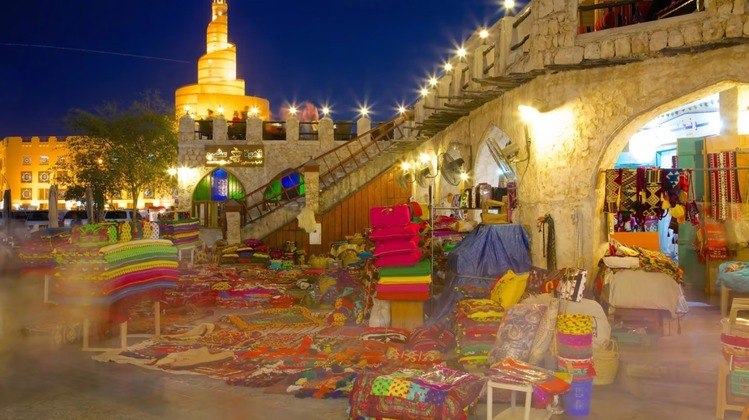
(274, 130)
(308, 130)
(343, 130)
(204, 129)
(617, 13)
(237, 130)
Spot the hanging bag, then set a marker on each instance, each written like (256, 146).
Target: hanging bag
(692, 210)
(737, 226)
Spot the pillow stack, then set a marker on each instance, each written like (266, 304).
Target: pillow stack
(403, 276)
(575, 345)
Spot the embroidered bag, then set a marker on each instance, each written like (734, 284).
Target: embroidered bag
(572, 284)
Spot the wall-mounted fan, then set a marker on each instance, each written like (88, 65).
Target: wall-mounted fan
(451, 165)
(423, 176)
(404, 178)
(503, 151)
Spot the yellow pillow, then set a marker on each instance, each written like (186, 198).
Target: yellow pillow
(497, 289)
(509, 289)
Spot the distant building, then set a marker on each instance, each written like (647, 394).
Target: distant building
(29, 166)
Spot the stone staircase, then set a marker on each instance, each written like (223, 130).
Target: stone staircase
(339, 186)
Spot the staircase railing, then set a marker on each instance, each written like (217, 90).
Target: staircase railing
(335, 165)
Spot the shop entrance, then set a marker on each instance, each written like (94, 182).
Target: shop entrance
(210, 194)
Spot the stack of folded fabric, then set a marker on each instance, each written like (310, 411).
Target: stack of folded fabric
(183, 233)
(405, 283)
(118, 271)
(476, 324)
(403, 275)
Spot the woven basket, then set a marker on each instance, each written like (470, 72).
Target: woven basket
(606, 363)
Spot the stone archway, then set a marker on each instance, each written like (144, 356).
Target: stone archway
(485, 169)
(215, 187)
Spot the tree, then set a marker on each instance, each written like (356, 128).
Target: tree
(116, 150)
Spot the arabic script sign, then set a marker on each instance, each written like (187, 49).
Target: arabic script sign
(234, 155)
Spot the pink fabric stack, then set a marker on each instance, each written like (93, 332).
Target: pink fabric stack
(397, 254)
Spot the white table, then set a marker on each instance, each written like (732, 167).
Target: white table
(527, 410)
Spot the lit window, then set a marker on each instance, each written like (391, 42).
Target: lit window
(44, 160)
(26, 161)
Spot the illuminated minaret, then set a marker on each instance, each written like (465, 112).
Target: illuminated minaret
(218, 86)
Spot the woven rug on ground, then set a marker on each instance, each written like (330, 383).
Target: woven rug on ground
(295, 316)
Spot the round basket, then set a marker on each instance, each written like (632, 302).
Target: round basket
(606, 363)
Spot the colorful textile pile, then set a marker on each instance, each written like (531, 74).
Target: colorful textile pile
(182, 233)
(403, 276)
(102, 276)
(476, 326)
(575, 345)
(295, 316)
(37, 251)
(439, 393)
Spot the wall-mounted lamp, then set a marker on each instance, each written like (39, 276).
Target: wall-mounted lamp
(424, 91)
(220, 110)
(254, 111)
(433, 81)
(448, 67)
(292, 110)
(325, 111)
(187, 109)
(364, 111)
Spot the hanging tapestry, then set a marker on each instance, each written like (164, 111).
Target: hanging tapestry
(629, 190)
(649, 187)
(613, 187)
(724, 184)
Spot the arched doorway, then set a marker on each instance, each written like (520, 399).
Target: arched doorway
(214, 189)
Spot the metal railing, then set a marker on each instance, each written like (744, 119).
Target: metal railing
(335, 165)
(204, 129)
(343, 130)
(274, 130)
(308, 130)
(236, 130)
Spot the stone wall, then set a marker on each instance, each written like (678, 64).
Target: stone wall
(586, 120)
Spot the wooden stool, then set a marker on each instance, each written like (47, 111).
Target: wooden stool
(406, 314)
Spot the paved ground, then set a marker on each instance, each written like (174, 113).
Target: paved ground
(40, 380)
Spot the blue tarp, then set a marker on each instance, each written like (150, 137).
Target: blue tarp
(487, 251)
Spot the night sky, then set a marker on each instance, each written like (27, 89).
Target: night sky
(334, 51)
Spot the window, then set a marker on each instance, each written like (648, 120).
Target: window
(44, 176)
(26, 194)
(43, 194)
(26, 161)
(44, 160)
(26, 177)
